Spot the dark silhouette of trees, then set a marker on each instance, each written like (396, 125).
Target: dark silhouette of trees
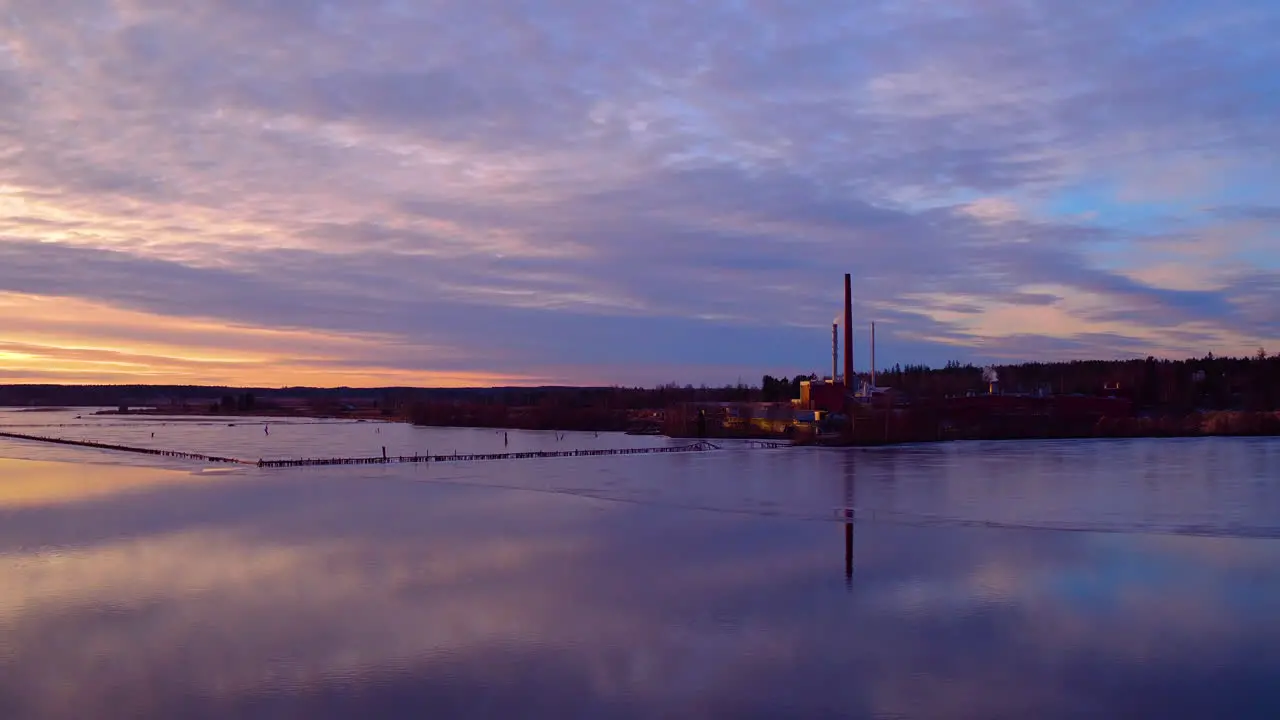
(782, 389)
(1155, 387)
(1208, 383)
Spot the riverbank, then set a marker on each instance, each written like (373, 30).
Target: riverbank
(871, 428)
(886, 426)
(291, 412)
(903, 426)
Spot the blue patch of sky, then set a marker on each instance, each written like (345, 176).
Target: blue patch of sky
(1099, 204)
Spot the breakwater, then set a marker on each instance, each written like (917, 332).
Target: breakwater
(383, 459)
(126, 448)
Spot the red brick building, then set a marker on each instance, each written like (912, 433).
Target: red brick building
(822, 395)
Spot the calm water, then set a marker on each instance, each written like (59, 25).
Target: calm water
(983, 580)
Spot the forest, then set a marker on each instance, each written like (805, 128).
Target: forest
(1208, 383)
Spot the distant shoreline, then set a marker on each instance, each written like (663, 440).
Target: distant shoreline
(897, 428)
(196, 413)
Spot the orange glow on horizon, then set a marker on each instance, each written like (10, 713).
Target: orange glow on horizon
(77, 342)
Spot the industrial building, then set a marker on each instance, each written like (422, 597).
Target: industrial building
(849, 409)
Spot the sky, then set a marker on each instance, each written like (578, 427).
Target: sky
(481, 192)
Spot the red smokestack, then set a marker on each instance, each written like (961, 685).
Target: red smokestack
(848, 331)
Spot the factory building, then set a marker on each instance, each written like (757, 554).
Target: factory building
(827, 395)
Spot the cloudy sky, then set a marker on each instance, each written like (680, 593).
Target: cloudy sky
(462, 192)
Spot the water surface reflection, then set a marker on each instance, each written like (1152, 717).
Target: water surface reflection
(457, 592)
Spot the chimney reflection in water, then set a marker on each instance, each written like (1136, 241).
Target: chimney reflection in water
(848, 522)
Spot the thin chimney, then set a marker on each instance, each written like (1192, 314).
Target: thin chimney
(848, 332)
(873, 355)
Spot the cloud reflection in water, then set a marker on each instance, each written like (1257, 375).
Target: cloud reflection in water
(336, 594)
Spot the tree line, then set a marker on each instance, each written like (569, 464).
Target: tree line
(1207, 383)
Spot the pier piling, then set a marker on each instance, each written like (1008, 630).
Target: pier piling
(700, 446)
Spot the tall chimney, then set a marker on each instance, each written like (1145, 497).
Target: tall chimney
(873, 355)
(848, 332)
(835, 350)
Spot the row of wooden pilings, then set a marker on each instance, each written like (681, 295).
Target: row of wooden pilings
(126, 448)
(384, 459)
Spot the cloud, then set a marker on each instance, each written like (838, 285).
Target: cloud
(688, 183)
